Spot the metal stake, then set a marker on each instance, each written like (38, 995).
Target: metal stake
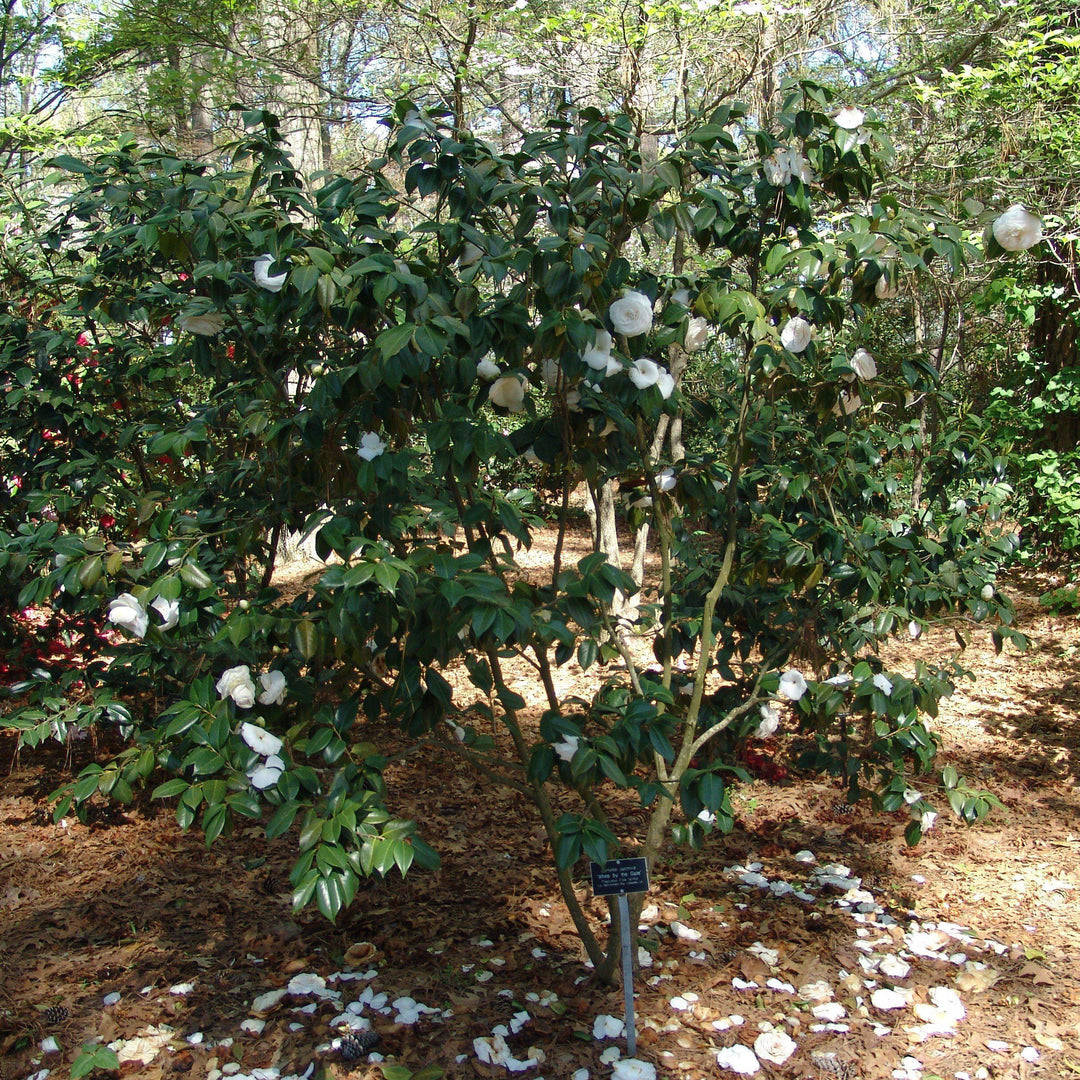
(627, 975)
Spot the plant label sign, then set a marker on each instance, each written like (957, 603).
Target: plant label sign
(617, 877)
(620, 876)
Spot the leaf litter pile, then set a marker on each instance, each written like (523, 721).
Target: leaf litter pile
(810, 943)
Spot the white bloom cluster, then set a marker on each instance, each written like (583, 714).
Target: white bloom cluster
(598, 355)
(127, 611)
(644, 373)
(784, 165)
(236, 683)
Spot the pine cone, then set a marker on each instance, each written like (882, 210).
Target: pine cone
(354, 1047)
(57, 1014)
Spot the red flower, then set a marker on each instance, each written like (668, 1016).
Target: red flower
(107, 521)
(82, 339)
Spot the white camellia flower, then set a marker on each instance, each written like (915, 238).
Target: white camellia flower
(213, 322)
(488, 369)
(738, 1059)
(864, 365)
(665, 382)
(169, 610)
(632, 314)
(987, 592)
(914, 630)
(566, 747)
(840, 679)
(774, 1046)
(697, 333)
(644, 373)
(784, 165)
(614, 366)
(882, 683)
(927, 820)
(770, 721)
(267, 774)
(259, 739)
(235, 683)
(274, 686)
(792, 685)
(508, 393)
(911, 795)
(849, 118)
(596, 358)
(633, 1069)
(665, 479)
(128, 612)
(371, 446)
(1017, 230)
(607, 1027)
(603, 340)
(264, 279)
(796, 334)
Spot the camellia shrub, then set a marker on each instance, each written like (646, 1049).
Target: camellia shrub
(201, 359)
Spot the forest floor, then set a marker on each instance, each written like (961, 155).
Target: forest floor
(181, 940)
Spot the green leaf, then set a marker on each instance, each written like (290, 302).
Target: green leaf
(429, 1072)
(391, 342)
(170, 788)
(395, 1072)
(94, 1056)
(281, 820)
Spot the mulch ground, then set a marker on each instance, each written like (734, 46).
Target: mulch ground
(129, 905)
